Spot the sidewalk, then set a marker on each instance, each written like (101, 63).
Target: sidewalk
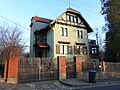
(68, 84)
(73, 82)
(6, 86)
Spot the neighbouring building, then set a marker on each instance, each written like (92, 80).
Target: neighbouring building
(67, 35)
(94, 51)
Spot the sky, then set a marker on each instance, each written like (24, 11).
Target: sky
(21, 12)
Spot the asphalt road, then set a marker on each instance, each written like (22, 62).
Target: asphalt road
(112, 87)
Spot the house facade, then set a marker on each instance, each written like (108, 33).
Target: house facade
(94, 50)
(67, 35)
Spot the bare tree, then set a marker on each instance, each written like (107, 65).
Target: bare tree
(10, 38)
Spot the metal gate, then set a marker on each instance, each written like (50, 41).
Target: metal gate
(37, 69)
(70, 68)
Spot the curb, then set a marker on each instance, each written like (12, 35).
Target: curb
(90, 84)
(74, 85)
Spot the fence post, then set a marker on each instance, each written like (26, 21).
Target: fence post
(5, 70)
(78, 67)
(11, 68)
(62, 67)
(104, 66)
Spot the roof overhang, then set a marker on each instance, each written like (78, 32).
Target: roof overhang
(42, 45)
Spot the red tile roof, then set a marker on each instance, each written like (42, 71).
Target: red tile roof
(71, 9)
(41, 19)
(43, 45)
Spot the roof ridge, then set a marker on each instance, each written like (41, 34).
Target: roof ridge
(71, 9)
(38, 18)
(43, 17)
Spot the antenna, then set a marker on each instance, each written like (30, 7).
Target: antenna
(69, 3)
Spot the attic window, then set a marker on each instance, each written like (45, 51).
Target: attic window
(75, 19)
(71, 18)
(68, 17)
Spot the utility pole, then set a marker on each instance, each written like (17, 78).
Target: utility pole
(97, 38)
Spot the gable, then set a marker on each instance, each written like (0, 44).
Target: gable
(73, 18)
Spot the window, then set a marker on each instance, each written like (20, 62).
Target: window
(85, 50)
(75, 19)
(94, 50)
(64, 32)
(79, 34)
(72, 18)
(68, 17)
(66, 49)
(61, 49)
(78, 20)
(79, 49)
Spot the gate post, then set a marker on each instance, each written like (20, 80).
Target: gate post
(11, 68)
(78, 67)
(62, 67)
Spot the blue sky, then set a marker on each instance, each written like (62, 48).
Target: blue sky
(21, 11)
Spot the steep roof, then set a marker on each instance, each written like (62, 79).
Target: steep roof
(50, 21)
(41, 19)
(73, 10)
(82, 18)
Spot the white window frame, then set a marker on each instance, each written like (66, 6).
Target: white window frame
(66, 49)
(94, 50)
(72, 17)
(75, 19)
(81, 50)
(68, 17)
(79, 34)
(63, 31)
(61, 49)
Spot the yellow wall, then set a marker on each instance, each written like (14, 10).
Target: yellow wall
(71, 36)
